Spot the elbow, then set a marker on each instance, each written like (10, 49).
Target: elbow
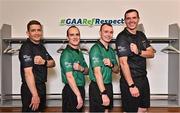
(54, 64)
(152, 55)
(86, 71)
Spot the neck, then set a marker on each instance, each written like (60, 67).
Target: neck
(73, 46)
(35, 42)
(104, 43)
(133, 31)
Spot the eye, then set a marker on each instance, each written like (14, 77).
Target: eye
(77, 34)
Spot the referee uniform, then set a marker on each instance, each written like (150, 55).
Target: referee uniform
(97, 53)
(27, 53)
(68, 57)
(137, 65)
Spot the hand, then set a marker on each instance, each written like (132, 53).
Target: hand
(134, 48)
(78, 67)
(134, 91)
(39, 60)
(105, 100)
(107, 62)
(80, 102)
(34, 103)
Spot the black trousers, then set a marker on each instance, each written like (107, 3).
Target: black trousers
(130, 103)
(95, 99)
(26, 97)
(69, 99)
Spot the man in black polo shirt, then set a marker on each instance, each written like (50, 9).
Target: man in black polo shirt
(133, 48)
(34, 61)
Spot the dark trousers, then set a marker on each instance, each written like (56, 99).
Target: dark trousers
(95, 99)
(130, 103)
(69, 99)
(26, 97)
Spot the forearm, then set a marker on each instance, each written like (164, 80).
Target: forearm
(126, 73)
(72, 83)
(147, 54)
(29, 77)
(99, 79)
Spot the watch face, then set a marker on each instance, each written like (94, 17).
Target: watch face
(132, 86)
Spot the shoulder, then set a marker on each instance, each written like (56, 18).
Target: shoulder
(25, 46)
(141, 34)
(66, 53)
(122, 35)
(94, 48)
(111, 49)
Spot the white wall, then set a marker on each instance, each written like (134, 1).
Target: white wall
(156, 15)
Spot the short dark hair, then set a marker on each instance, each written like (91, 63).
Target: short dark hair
(108, 24)
(129, 11)
(70, 28)
(32, 22)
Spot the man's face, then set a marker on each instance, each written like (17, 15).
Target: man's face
(35, 33)
(74, 36)
(106, 34)
(131, 20)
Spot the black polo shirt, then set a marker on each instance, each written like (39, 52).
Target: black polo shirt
(136, 63)
(27, 53)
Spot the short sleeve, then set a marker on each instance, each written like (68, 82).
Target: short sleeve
(48, 56)
(95, 57)
(147, 42)
(66, 62)
(26, 56)
(122, 46)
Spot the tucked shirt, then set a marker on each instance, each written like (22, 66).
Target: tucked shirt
(27, 53)
(68, 57)
(97, 53)
(137, 64)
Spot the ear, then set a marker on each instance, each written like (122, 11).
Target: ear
(27, 33)
(67, 38)
(99, 33)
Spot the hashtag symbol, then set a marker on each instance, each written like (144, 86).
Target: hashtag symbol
(62, 22)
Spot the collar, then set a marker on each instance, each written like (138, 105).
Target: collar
(125, 29)
(29, 41)
(99, 42)
(69, 47)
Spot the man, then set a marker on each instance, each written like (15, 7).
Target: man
(34, 61)
(102, 63)
(133, 48)
(73, 69)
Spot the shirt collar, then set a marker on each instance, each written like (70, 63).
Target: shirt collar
(99, 42)
(125, 29)
(29, 41)
(76, 50)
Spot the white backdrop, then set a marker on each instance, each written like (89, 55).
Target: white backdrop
(155, 15)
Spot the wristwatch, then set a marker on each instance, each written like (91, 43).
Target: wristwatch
(104, 92)
(132, 86)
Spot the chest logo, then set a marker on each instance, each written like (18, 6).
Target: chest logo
(68, 64)
(95, 59)
(27, 58)
(121, 49)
